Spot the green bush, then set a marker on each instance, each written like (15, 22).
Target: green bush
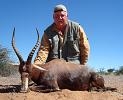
(119, 71)
(6, 68)
(101, 71)
(111, 70)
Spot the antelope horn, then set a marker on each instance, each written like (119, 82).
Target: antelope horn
(15, 49)
(29, 59)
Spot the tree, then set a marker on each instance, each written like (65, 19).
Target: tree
(119, 71)
(111, 70)
(5, 62)
(101, 71)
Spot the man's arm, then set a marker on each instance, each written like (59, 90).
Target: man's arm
(43, 50)
(84, 47)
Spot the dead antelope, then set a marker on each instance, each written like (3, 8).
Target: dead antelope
(25, 67)
(56, 74)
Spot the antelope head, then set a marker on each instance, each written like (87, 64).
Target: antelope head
(25, 67)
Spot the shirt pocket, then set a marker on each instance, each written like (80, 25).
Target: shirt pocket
(73, 48)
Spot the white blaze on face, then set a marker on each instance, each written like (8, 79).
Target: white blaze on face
(24, 84)
(24, 87)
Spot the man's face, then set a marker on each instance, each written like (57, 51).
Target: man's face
(60, 18)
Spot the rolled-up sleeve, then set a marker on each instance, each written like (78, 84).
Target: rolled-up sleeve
(43, 51)
(84, 47)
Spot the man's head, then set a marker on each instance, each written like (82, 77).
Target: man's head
(60, 16)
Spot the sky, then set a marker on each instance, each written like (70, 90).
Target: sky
(102, 21)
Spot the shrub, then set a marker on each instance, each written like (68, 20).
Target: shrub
(101, 71)
(120, 71)
(6, 68)
(110, 70)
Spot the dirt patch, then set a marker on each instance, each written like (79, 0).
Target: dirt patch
(9, 90)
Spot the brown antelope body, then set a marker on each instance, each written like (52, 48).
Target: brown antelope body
(56, 74)
(60, 74)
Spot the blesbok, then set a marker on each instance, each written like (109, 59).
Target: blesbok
(56, 74)
(25, 67)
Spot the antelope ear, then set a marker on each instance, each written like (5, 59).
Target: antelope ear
(40, 68)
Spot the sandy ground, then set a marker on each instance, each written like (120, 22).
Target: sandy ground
(9, 91)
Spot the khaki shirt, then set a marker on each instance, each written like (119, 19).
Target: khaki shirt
(45, 47)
